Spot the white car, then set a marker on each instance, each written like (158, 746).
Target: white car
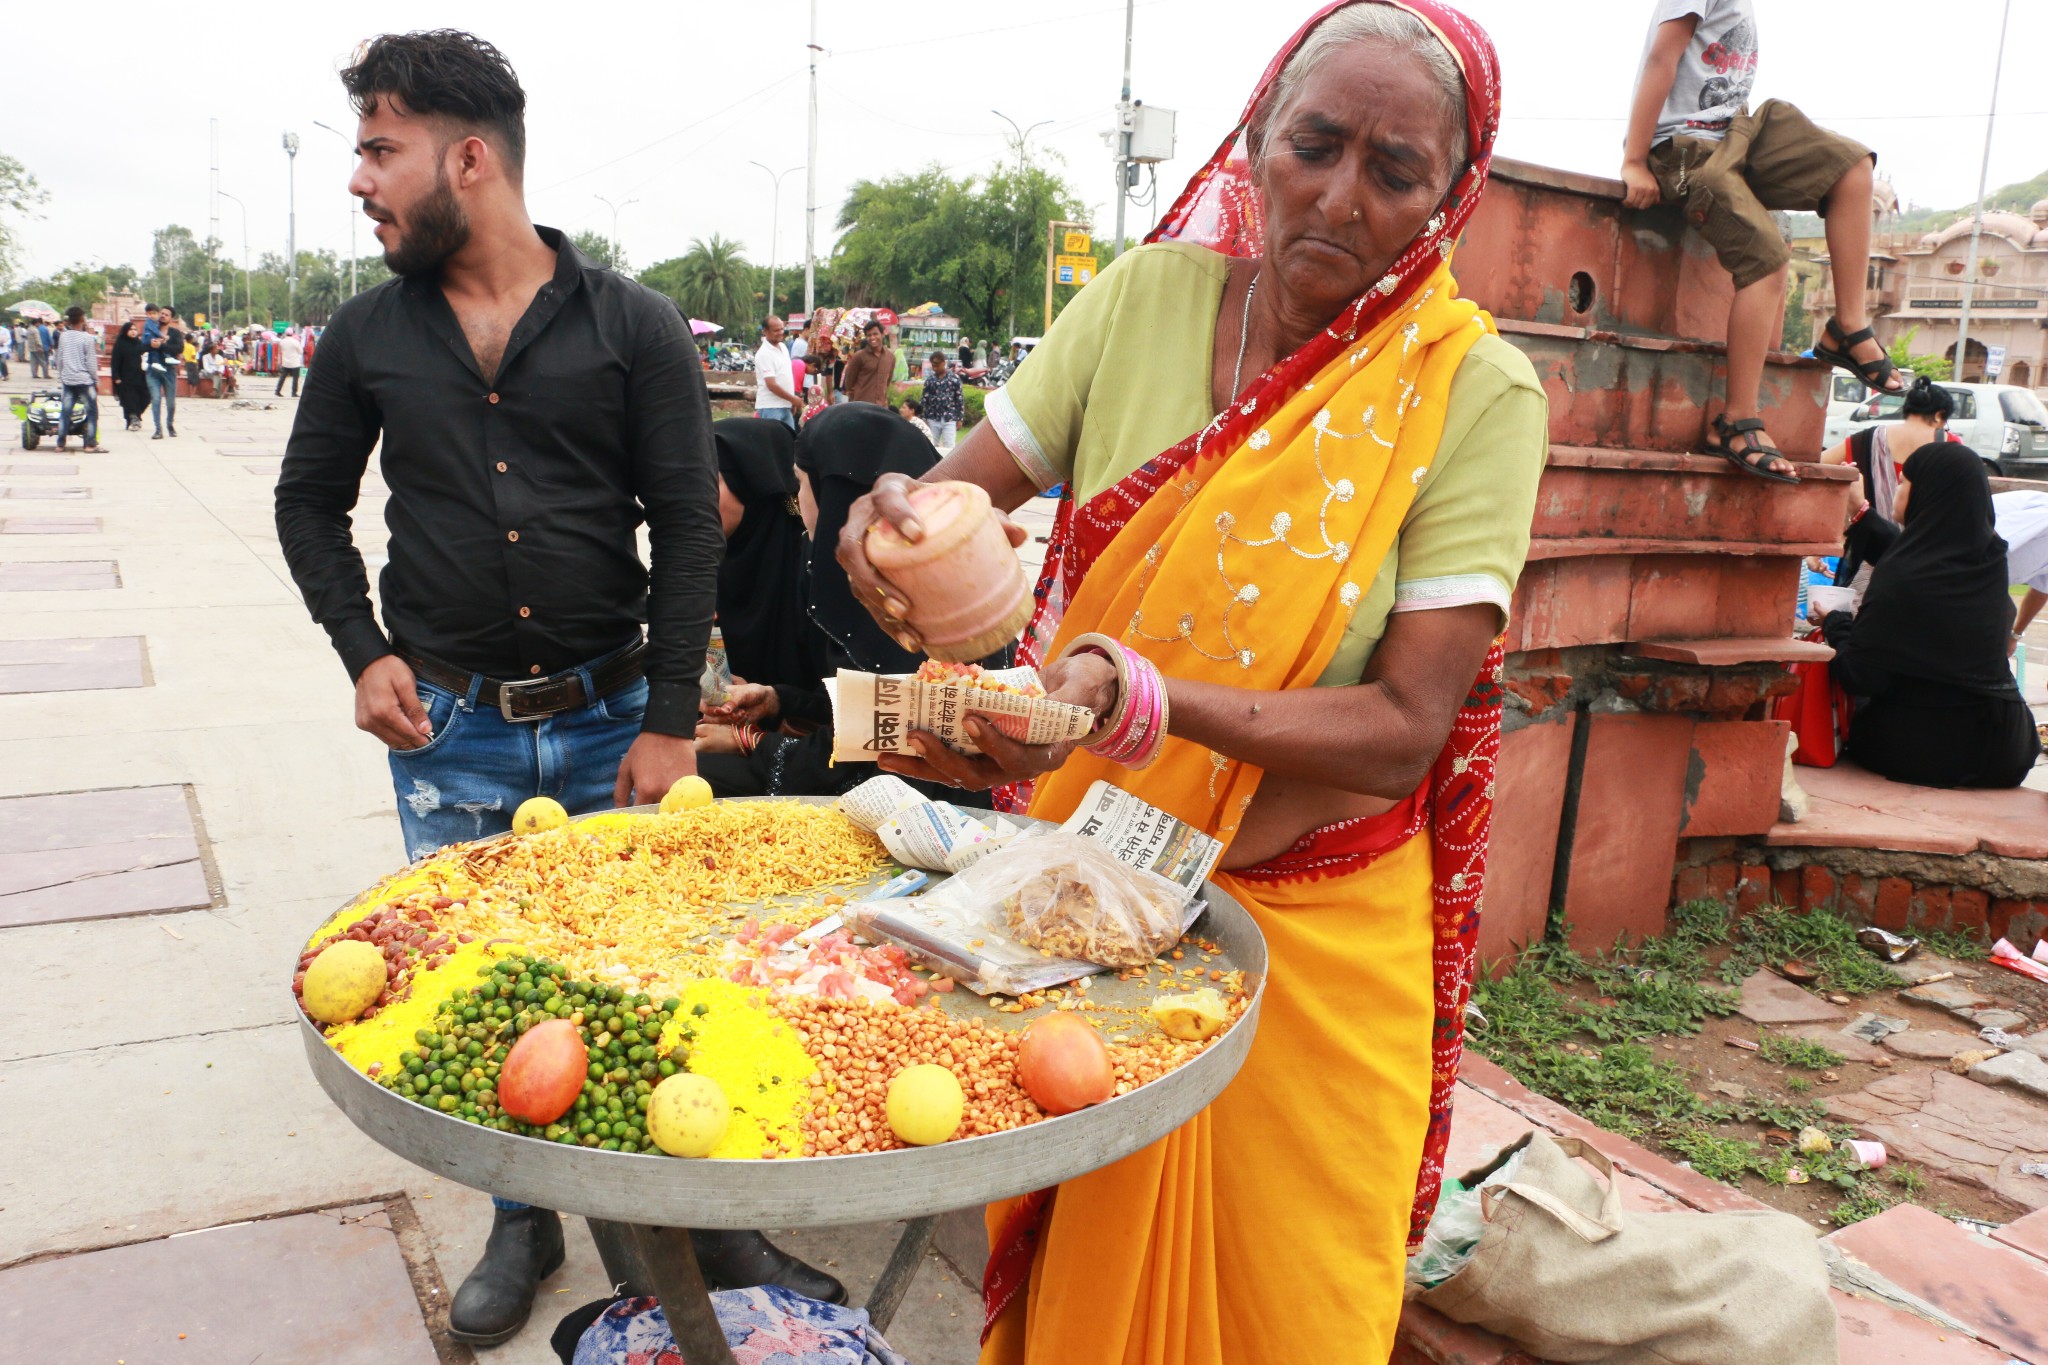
(2008, 426)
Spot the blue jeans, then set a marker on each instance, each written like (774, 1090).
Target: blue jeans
(786, 416)
(72, 393)
(163, 396)
(467, 780)
(944, 433)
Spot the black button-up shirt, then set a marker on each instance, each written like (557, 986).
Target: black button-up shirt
(515, 501)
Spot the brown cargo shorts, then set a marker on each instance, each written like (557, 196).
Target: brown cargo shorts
(1775, 158)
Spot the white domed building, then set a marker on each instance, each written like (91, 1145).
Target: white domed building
(1917, 283)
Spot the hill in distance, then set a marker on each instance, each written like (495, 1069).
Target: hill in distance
(2017, 198)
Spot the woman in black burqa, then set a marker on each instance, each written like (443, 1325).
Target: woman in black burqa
(840, 454)
(1927, 656)
(768, 637)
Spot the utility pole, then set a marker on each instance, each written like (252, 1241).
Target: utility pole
(615, 224)
(811, 183)
(774, 228)
(1977, 226)
(1123, 145)
(248, 305)
(213, 222)
(1016, 219)
(349, 143)
(291, 233)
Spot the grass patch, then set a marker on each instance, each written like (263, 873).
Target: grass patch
(1822, 939)
(1785, 1050)
(1538, 1028)
(1960, 945)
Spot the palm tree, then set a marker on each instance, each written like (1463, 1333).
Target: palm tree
(715, 282)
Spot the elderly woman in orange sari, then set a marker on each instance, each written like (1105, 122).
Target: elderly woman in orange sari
(1300, 475)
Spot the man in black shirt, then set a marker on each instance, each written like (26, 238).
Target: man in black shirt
(534, 408)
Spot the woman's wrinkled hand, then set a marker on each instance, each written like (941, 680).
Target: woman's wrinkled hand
(1083, 679)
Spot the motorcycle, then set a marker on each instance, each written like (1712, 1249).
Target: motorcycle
(40, 415)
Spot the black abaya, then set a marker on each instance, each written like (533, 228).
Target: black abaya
(1926, 656)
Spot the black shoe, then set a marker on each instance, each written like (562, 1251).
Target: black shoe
(741, 1260)
(157, 437)
(174, 428)
(525, 1248)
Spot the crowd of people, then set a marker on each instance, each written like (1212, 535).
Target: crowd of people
(147, 357)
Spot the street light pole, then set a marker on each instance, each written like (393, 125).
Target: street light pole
(615, 223)
(1123, 143)
(774, 228)
(1977, 226)
(348, 142)
(248, 305)
(811, 182)
(1016, 223)
(291, 236)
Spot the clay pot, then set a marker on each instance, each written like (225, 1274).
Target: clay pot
(967, 589)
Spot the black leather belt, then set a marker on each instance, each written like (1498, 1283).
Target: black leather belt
(535, 698)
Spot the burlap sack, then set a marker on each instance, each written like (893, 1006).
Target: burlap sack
(1558, 1272)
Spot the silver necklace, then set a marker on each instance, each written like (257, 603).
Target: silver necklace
(1244, 333)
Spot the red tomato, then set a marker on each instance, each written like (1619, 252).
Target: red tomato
(1064, 1065)
(544, 1072)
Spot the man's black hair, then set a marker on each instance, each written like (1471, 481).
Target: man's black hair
(74, 314)
(872, 326)
(447, 74)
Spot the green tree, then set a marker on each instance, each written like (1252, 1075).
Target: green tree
(712, 281)
(598, 247)
(976, 244)
(20, 197)
(1933, 366)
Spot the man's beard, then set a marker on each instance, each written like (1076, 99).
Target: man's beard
(435, 229)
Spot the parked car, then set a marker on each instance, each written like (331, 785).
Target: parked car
(2008, 426)
(1846, 393)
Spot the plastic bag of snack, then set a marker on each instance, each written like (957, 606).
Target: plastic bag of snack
(1067, 896)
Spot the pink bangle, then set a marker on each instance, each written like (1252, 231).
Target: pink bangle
(1135, 731)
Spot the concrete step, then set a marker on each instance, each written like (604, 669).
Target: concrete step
(1999, 1294)
(1615, 389)
(1558, 246)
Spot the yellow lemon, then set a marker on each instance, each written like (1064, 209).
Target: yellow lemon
(925, 1104)
(1193, 1017)
(343, 981)
(687, 794)
(538, 813)
(687, 1115)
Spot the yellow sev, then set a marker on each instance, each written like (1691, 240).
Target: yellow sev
(756, 1058)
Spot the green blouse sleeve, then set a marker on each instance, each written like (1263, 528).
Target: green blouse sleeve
(1038, 412)
(1467, 534)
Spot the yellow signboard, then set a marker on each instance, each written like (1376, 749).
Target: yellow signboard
(1074, 269)
(1076, 244)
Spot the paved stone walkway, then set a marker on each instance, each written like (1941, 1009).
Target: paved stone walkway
(183, 796)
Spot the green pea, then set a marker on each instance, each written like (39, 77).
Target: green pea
(450, 1103)
(665, 1067)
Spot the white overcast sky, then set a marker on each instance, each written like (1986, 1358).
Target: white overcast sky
(666, 103)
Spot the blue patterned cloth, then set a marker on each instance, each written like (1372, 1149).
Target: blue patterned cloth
(765, 1326)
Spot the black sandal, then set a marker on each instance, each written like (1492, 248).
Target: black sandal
(1876, 373)
(1753, 455)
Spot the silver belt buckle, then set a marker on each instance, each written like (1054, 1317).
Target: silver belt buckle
(508, 690)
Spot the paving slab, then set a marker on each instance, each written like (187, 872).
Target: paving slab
(90, 855)
(1839, 1040)
(2010, 1020)
(1957, 997)
(2028, 1234)
(1847, 799)
(48, 526)
(72, 665)
(329, 1286)
(1923, 965)
(1768, 998)
(61, 575)
(1956, 1126)
(1932, 1045)
(11, 470)
(33, 493)
(2020, 1070)
(1871, 1333)
(1999, 1293)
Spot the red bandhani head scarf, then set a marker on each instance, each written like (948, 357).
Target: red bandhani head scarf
(1220, 209)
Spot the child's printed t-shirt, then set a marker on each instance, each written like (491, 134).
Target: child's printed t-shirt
(1714, 74)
